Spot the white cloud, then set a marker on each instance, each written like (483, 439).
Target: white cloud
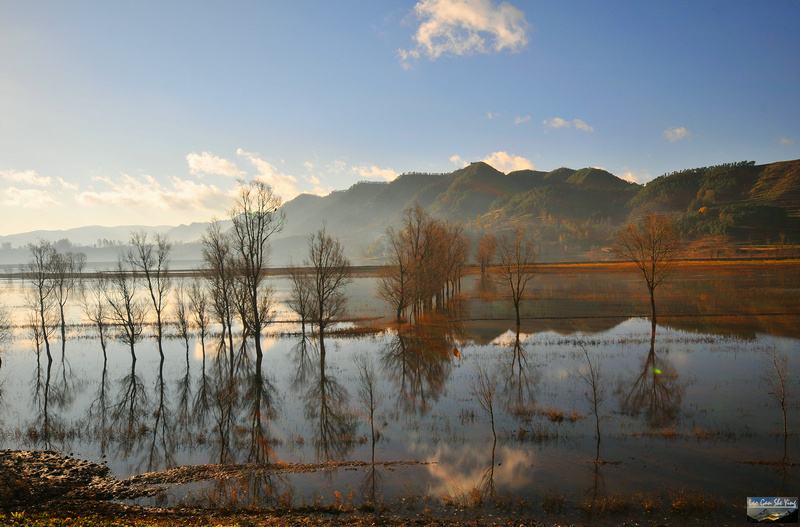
(787, 141)
(462, 27)
(146, 192)
(29, 198)
(208, 163)
(318, 188)
(374, 172)
(630, 176)
(520, 120)
(675, 134)
(337, 167)
(67, 185)
(490, 115)
(29, 177)
(457, 161)
(284, 185)
(505, 162)
(558, 122)
(309, 165)
(581, 125)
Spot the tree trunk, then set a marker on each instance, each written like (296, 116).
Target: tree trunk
(653, 306)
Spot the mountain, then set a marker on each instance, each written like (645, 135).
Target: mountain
(571, 214)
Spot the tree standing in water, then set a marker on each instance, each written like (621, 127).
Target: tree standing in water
(330, 273)
(220, 273)
(152, 260)
(39, 273)
(517, 266)
(487, 246)
(652, 246)
(256, 218)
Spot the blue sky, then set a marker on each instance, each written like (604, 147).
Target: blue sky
(118, 113)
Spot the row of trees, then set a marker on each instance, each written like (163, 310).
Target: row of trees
(427, 258)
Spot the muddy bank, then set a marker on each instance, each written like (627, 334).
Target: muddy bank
(31, 477)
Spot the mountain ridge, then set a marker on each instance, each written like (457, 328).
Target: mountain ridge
(568, 212)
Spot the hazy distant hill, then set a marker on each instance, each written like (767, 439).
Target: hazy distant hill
(572, 214)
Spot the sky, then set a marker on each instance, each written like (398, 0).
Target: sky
(148, 113)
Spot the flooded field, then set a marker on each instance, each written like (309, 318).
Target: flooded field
(462, 411)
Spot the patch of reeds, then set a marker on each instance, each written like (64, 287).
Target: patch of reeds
(665, 433)
(554, 502)
(693, 503)
(615, 504)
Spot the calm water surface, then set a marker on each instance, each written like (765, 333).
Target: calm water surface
(685, 411)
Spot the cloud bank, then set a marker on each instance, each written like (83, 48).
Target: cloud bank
(29, 177)
(208, 163)
(147, 193)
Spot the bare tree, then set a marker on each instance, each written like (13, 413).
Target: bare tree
(395, 285)
(36, 332)
(426, 263)
(181, 315)
(487, 246)
(330, 273)
(775, 379)
(96, 309)
(127, 310)
(300, 294)
(595, 394)
(39, 273)
(517, 266)
(5, 327)
(199, 304)
(256, 217)
(66, 276)
(652, 246)
(368, 394)
(152, 260)
(220, 269)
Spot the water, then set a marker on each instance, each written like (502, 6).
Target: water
(687, 410)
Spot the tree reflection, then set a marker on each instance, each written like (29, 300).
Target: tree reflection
(326, 405)
(224, 397)
(303, 355)
(129, 409)
(203, 394)
(160, 453)
(370, 399)
(486, 485)
(521, 379)
(98, 410)
(656, 392)
(418, 359)
(259, 399)
(42, 432)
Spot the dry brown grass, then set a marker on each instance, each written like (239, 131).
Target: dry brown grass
(554, 502)
(693, 503)
(615, 504)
